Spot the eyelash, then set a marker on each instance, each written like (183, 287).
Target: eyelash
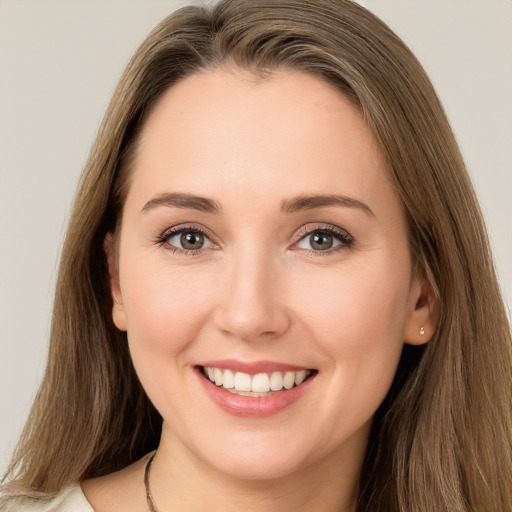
(346, 240)
(177, 230)
(344, 237)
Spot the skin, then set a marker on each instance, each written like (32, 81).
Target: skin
(258, 290)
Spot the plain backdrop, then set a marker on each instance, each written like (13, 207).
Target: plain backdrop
(59, 63)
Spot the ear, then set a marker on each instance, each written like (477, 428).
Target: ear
(423, 315)
(118, 314)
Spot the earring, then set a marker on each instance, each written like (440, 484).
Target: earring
(422, 330)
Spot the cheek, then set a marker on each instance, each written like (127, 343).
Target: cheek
(357, 319)
(165, 310)
(364, 304)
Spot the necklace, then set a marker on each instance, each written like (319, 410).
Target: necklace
(149, 497)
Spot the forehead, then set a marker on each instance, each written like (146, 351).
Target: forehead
(223, 131)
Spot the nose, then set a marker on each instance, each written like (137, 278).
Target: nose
(252, 300)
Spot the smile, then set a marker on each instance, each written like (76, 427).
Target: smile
(254, 389)
(258, 385)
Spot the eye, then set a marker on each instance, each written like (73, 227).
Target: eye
(185, 239)
(325, 239)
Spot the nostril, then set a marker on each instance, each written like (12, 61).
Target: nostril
(251, 325)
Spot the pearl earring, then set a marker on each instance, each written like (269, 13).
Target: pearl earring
(422, 330)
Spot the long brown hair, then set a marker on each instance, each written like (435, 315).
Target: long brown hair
(441, 440)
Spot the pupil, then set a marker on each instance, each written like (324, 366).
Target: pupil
(321, 241)
(192, 240)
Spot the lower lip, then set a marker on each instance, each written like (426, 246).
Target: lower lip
(255, 407)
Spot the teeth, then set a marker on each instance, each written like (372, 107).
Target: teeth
(242, 381)
(289, 380)
(257, 385)
(276, 381)
(300, 377)
(260, 383)
(246, 393)
(218, 376)
(228, 380)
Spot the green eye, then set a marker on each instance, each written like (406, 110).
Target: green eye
(321, 241)
(189, 240)
(325, 239)
(192, 241)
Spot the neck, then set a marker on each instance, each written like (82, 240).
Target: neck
(182, 482)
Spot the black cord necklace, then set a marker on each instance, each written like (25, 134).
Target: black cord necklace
(149, 497)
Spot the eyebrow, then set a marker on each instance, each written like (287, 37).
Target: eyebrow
(296, 204)
(182, 200)
(310, 202)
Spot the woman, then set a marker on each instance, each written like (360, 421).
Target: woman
(276, 290)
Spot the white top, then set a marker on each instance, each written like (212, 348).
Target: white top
(71, 499)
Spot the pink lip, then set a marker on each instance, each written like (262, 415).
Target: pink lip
(252, 368)
(247, 406)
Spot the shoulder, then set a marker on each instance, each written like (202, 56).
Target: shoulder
(122, 491)
(71, 499)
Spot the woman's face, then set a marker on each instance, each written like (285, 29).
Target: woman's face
(262, 243)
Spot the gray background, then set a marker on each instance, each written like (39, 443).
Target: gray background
(59, 63)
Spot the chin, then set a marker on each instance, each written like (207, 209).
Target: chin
(258, 469)
(257, 457)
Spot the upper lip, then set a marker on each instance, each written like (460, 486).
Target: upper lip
(252, 367)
